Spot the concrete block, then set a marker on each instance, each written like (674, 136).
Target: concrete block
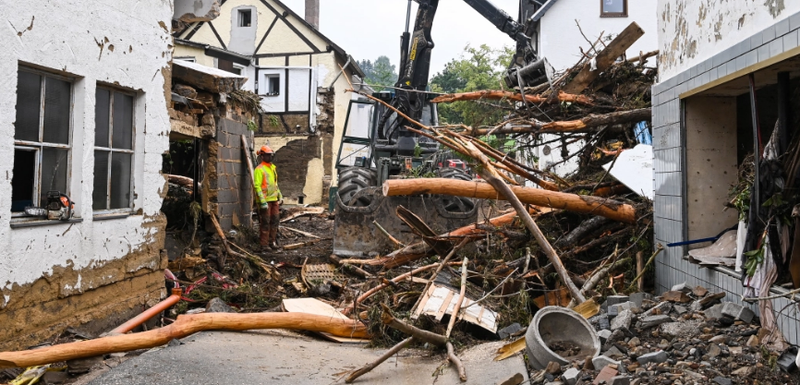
(615, 299)
(623, 320)
(657, 357)
(620, 380)
(604, 334)
(570, 376)
(601, 362)
(654, 320)
(737, 311)
(714, 312)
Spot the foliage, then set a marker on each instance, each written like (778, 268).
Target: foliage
(478, 69)
(379, 73)
(273, 121)
(755, 258)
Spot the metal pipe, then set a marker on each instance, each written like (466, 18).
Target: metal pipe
(756, 140)
(149, 313)
(408, 16)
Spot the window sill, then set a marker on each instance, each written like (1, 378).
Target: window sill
(20, 223)
(613, 15)
(109, 216)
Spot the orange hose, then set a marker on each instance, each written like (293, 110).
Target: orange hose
(149, 313)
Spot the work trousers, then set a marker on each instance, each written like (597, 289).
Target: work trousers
(269, 218)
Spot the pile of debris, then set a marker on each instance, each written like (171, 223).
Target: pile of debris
(685, 336)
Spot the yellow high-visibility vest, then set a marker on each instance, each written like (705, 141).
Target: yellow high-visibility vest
(266, 183)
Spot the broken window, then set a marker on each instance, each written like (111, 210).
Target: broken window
(113, 151)
(245, 17)
(41, 138)
(614, 8)
(273, 85)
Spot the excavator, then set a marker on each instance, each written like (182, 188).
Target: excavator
(376, 145)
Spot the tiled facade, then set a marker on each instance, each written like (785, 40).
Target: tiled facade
(771, 45)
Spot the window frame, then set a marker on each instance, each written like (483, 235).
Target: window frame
(268, 78)
(240, 19)
(38, 146)
(624, 12)
(111, 151)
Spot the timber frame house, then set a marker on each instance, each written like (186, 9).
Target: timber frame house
(300, 75)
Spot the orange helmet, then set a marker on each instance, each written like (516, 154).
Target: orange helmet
(264, 150)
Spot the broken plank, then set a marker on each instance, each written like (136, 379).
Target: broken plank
(301, 232)
(296, 213)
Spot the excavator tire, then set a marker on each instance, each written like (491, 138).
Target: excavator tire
(453, 204)
(352, 180)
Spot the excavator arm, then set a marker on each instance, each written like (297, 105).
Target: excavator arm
(526, 68)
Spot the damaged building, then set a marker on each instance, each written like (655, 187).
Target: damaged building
(210, 147)
(300, 75)
(84, 128)
(728, 89)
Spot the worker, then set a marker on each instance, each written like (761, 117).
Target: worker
(269, 199)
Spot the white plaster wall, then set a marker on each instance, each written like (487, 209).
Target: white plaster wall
(299, 89)
(276, 103)
(198, 54)
(561, 38)
(691, 31)
(75, 38)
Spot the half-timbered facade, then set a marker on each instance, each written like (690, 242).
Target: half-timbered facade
(301, 76)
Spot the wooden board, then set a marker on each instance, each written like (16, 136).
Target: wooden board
(440, 300)
(315, 306)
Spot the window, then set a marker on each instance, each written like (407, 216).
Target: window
(237, 69)
(41, 138)
(273, 85)
(614, 8)
(245, 17)
(113, 151)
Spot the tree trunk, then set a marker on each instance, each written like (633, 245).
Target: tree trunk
(553, 199)
(580, 125)
(604, 59)
(497, 95)
(184, 326)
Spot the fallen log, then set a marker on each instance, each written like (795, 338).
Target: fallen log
(184, 326)
(579, 125)
(540, 197)
(498, 95)
(604, 59)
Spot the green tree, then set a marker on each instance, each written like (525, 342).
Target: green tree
(379, 73)
(479, 68)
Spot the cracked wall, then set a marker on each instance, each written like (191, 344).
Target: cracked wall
(690, 31)
(92, 273)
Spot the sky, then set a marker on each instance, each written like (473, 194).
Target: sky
(367, 29)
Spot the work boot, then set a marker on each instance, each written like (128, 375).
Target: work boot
(275, 246)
